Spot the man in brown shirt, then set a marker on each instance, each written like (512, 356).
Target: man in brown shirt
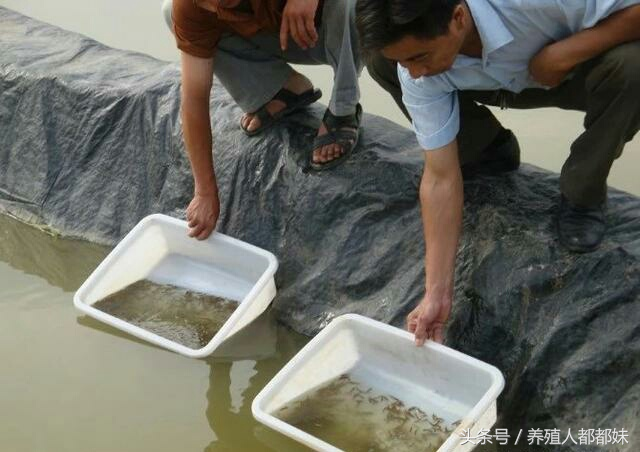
(248, 45)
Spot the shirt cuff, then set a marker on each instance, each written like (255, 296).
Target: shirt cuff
(447, 133)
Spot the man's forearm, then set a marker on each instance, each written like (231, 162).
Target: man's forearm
(196, 128)
(622, 26)
(441, 198)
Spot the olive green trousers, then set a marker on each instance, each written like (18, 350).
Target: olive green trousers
(606, 88)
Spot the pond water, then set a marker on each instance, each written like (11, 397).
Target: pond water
(69, 383)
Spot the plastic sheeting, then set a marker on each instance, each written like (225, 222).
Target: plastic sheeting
(90, 142)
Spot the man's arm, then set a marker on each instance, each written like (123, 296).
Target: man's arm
(441, 198)
(197, 78)
(552, 64)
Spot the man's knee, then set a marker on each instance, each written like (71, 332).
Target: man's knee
(167, 6)
(618, 71)
(344, 10)
(339, 22)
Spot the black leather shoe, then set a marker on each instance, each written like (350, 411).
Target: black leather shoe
(501, 156)
(581, 229)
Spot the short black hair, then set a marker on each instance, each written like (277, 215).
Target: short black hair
(383, 22)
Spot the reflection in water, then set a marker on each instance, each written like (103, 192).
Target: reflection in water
(265, 348)
(62, 262)
(62, 399)
(52, 364)
(258, 352)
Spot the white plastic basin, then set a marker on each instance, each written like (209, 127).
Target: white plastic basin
(158, 249)
(434, 378)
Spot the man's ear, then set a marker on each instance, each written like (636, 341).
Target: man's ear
(458, 18)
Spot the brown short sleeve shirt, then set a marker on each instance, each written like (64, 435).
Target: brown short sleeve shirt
(198, 30)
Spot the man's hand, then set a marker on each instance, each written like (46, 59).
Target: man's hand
(441, 195)
(551, 65)
(428, 319)
(197, 76)
(202, 215)
(298, 20)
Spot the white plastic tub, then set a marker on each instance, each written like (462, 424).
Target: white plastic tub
(434, 378)
(159, 249)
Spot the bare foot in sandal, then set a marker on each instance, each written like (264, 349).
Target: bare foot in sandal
(297, 84)
(329, 152)
(337, 136)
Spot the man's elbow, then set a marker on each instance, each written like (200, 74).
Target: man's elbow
(438, 183)
(442, 168)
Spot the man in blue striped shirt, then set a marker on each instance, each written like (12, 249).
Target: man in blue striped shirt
(573, 54)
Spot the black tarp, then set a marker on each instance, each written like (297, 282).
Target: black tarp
(90, 143)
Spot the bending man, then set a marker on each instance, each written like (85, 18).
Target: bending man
(248, 45)
(532, 53)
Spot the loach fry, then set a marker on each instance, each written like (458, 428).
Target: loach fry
(181, 315)
(353, 417)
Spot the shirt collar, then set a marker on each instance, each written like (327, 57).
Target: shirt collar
(493, 32)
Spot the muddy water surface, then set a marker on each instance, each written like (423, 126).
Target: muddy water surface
(69, 383)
